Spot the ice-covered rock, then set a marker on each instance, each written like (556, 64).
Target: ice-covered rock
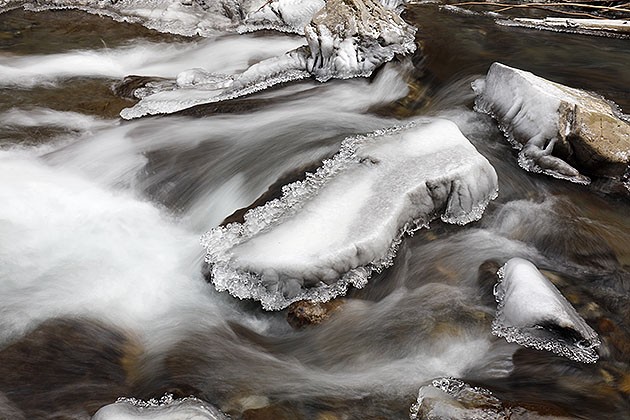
(345, 39)
(188, 18)
(533, 313)
(346, 220)
(282, 15)
(350, 38)
(454, 399)
(166, 408)
(557, 128)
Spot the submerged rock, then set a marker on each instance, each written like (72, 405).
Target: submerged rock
(557, 128)
(166, 408)
(346, 220)
(533, 313)
(303, 313)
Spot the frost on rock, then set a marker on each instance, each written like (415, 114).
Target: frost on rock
(166, 408)
(346, 220)
(556, 128)
(533, 313)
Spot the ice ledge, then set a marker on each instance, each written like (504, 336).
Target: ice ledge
(346, 220)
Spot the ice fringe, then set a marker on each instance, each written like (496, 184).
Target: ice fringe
(346, 220)
(166, 408)
(533, 313)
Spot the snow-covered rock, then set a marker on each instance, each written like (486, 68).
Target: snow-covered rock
(346, 220)
(533, 313)
(557, 128)
(166, 408)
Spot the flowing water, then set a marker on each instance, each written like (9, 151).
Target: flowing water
(102, 291)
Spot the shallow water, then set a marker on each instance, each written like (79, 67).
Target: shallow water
(101, 269)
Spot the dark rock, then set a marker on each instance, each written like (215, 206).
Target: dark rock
(303, 313)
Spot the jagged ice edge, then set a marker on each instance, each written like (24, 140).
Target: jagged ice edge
(140, 109)
(245, 285)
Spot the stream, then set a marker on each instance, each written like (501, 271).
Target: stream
(102, 292)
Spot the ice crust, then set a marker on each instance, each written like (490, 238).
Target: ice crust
(530, 110)
(346, 220)
(166, 408)
(533, 313)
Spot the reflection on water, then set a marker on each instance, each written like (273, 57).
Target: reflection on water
(101, 269)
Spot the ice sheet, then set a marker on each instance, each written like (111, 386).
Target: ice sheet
(533, 313)
(346, 220)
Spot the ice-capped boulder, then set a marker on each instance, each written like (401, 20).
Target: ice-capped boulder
(346, 220)
(166, 408)
(350, 38)
(533, 313)
(563, 132)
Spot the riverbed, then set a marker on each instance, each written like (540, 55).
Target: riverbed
(101, 270)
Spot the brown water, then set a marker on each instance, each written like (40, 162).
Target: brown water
(101, 270)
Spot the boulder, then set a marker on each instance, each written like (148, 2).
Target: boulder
(561, 131)
(533, 313)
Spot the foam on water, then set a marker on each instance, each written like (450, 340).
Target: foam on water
(346, 220)
(533, 313)
(73, 248)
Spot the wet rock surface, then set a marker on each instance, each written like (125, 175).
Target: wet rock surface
(304, 313)
(67, 367)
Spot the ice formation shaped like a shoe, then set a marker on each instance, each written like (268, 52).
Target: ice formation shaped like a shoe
(346, 220)
(166, 408)
(553, 124)
(347, 38)
(533, 313)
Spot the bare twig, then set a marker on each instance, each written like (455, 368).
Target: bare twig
(545, 6)
(264, 4)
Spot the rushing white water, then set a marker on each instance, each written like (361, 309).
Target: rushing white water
(227, 54)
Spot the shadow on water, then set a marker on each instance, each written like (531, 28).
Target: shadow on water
(102, 291)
